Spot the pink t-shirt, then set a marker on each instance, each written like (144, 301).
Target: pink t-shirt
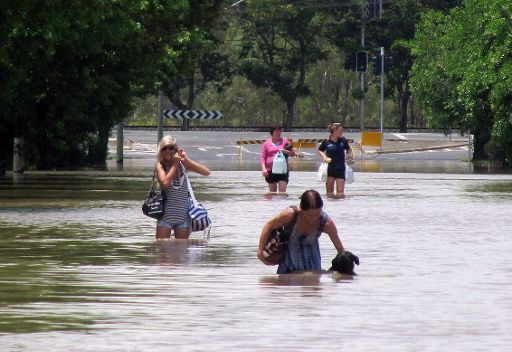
(269, 150)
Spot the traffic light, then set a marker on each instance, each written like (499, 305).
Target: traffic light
(377, 65)
(374, 9)
(361, 61)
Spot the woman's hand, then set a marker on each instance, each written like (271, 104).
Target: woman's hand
(182, 154)
(259, 253)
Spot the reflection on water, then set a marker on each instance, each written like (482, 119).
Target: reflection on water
(305, 278)
(79, 264)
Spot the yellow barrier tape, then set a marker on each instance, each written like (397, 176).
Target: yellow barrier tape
(294, 142)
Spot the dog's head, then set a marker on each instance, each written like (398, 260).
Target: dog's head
(344, 263)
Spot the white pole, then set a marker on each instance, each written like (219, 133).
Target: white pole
(18, 158)
(381, 89)
(160, 115)
(361, 74)
(470, 146)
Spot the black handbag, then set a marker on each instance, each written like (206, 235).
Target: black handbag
(275, 248)
(153, 205)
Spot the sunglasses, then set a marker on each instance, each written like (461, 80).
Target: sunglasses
(168, 148)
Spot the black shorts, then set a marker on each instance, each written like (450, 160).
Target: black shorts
(336, 173)
(274, 178)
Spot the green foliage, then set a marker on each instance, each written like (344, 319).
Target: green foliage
(280, 40)
(194, 59)
(70, 69)
(463, 73)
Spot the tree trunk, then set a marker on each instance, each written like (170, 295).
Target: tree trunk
(406, 94)
(481, 138)
(289, 114)
(190, 102)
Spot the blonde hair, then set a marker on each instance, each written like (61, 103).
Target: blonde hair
(334, 126)
(167, 141)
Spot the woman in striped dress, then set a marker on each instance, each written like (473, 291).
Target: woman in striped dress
(173, 180)
(303, 251)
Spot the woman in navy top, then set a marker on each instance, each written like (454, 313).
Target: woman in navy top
(332, 150)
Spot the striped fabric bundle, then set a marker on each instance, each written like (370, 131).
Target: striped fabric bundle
(198, 216)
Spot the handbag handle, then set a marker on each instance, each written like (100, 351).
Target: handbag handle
(153, 180)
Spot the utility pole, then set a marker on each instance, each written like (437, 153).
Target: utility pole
(160, 115)
(381, 63)
(362, 73)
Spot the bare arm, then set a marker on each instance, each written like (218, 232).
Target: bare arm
(165, 177)
(323, 156)
(193, 165)
(284, 217)
(332, 231)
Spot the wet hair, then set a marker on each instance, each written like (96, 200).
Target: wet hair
(167, 141)
(334, 126)
(311, 199)
(274, 128)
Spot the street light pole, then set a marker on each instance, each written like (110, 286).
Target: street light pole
(160, 115)
(362, 73)
(381, 89)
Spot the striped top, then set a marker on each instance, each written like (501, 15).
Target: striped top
(177, 200)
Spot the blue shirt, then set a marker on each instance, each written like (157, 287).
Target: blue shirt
(335, 151)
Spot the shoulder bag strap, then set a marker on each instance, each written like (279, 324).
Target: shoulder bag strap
(153, 179)
(190, 190)
(295, 213)
(323, 221)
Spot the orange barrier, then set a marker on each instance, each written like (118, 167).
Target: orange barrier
(373, 139)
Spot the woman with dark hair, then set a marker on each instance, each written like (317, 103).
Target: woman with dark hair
(269, 150)
(332, 151)
(303, 251)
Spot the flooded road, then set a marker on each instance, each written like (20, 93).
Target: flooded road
(80, 269)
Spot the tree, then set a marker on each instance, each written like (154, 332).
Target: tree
(462, 74)
(70, 69)
(194, 59)
(280, 39)
(393, 31)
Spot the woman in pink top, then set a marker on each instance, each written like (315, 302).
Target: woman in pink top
(269, 150)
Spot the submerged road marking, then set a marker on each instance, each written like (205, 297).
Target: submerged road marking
(400, 136)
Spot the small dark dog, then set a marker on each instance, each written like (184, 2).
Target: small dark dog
(344, 263)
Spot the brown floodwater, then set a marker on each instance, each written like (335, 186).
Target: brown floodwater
(80, 269)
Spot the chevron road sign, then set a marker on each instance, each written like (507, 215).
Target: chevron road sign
(193, 114)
